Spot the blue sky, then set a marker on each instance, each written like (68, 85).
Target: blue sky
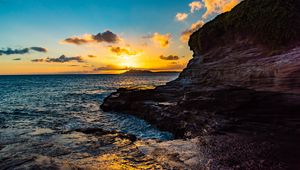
(34, 20)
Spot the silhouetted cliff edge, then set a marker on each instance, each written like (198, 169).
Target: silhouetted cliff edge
(240, 94)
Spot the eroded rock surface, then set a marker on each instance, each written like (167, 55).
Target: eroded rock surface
(242, 98)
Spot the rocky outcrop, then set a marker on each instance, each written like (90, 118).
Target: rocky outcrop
(241, 89)
(255, 46)
(247, 66)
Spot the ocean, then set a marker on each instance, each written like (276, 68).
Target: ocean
(41, 118)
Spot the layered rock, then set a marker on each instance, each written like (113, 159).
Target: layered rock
(247, 66)
(243, 83)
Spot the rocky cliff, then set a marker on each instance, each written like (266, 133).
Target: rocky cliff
(256, 46)
(240, 93)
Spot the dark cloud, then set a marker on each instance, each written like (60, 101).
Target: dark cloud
(107, 36)
(37, 60)
(76, 40)
(17, 59)
(170, 57)
(122, 51)
(92, 56)
(61, 59)
(64, 59)
(39, 49)
(10, 51)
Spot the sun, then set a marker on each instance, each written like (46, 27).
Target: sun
(128, 61)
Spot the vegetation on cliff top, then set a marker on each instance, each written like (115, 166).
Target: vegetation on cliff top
(272, 23)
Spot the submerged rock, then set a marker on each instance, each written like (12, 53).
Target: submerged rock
(240, 94)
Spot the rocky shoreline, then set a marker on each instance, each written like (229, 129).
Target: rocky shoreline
(239, 123)
(240, 99)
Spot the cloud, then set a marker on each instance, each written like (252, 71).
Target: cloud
(79, 40)
(161, 39)
(181, 16)
(37, 60)
(39, 49)
(107, 36)
(10, 51)
(185, 35)
(17, 59)
(61, 59)
(195, 6)
(122, 51)
(218, 6)
(92, 56)
(170, 57)
(64, 59)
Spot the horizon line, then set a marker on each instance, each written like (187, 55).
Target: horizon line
(66, 74)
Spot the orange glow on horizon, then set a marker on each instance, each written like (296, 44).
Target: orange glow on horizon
(128, 61)
(99, 59)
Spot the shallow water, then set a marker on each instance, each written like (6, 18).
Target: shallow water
(43, 121)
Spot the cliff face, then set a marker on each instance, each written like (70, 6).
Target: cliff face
(244, 65)
(243, 83)
(255, 46)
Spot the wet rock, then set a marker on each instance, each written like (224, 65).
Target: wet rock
(11, 163)
(1, 147)
(177, 154)
(95, 131)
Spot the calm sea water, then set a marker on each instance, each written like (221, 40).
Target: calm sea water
(38, 112)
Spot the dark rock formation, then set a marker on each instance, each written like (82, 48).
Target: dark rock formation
(242, 83)
(136, 72)
(146, 72)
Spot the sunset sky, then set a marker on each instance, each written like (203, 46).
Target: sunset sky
(100, 36)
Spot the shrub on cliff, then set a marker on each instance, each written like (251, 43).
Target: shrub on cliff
(272, 23)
